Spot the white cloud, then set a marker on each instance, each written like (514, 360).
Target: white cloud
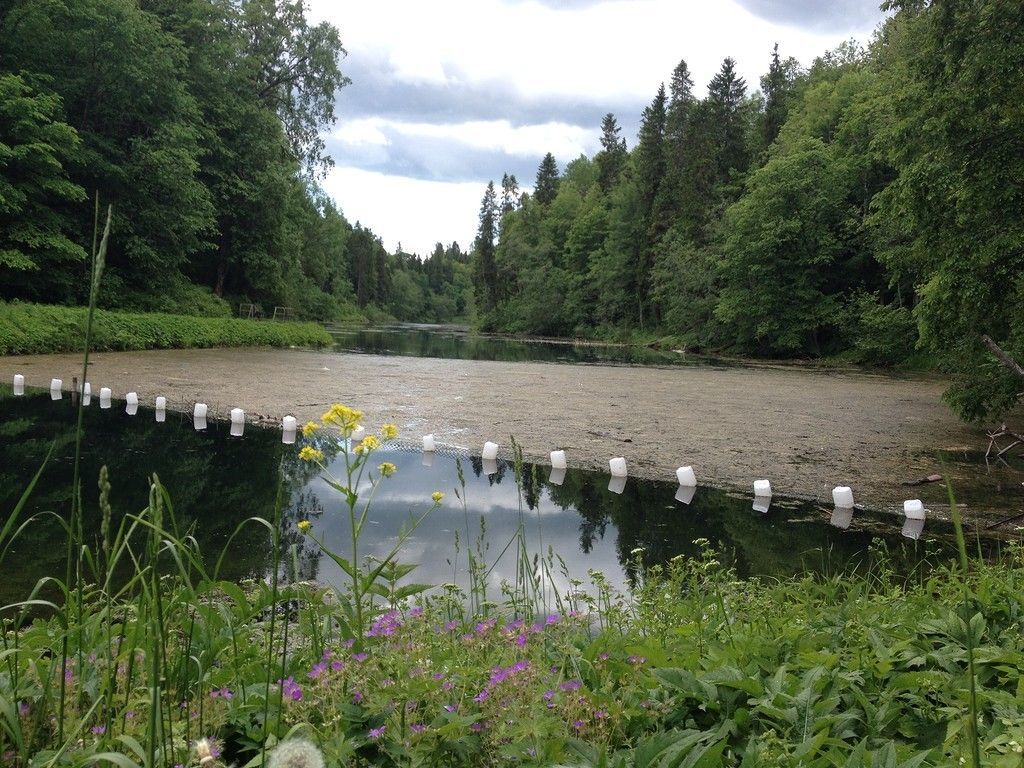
(414, 212)
(563, 140)
(614, 52)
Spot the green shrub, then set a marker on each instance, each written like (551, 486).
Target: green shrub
(37, 328)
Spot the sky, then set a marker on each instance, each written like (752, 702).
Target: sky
(449, 94)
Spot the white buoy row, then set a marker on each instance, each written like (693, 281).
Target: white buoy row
(842, 496)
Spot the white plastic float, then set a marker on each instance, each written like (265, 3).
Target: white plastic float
(558, 460)
(161, 409)
(104, 397)
(55, 389)
(618, 467)
(686, 477)
(237, 422)
(490, 451)
(19, 384)
(131, 403)
(289, 430)
(842, 497)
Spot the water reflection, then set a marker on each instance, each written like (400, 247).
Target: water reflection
(572, 516)
(458, 342)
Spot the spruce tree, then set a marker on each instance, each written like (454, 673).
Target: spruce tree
(726, 93)
(612, 155)
(485, 267)
(546, 187)
(509, 193)
(650, 175)
(775, 86)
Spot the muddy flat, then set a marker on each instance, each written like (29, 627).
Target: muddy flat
(805, 430)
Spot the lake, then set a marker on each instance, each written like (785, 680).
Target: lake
(216, 481)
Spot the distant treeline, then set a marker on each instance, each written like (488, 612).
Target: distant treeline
(870, 207)
(201, 122)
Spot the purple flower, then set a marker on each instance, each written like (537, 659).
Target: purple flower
(482, 696)
(376, 733)
(357, 697)
(577, 724)
(447, 685)
(603, 656)
(438, 675)
(99, 730)
(337, 665)
(451, 626)
(600, 714)
(23, 708)
(360, 656)
(553, 619)
(549, 695)
(130, 714)
(571, 685)
(221, 693)
(417, 727)
(520, 640)
(476, 727)
(318, 669)
(291, 689)
(451, 708)
(636, 660)
(416, 612)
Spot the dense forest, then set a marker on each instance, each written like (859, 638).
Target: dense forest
(869, 207)
(865, 208)
(201, 122)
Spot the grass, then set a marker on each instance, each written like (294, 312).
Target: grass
(38, 328)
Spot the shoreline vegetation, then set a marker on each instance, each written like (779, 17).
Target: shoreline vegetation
(40, 329)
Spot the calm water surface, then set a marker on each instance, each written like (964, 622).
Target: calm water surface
(216, 481)
(458, 342)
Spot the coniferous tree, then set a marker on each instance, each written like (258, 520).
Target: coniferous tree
(509, 193)
(486, 269)
(650, 175)
(612, 155)
(546, 188)
(726, 94)
(775, 86)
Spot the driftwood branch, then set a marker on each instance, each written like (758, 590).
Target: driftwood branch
(1003, 356)
(993, 442)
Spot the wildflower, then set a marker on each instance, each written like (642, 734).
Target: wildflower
(309, 453)
(304, 525)
(310, 428)
(389, 431)
(521, 640)
(387, 469)
(296, 753)
(437, 496)
(367, 444)
(318, 669)
(476, 727)
(602, 656)
(577, 724)
(23, 708)
(291, 689)
(637, 660)
(360, 656)
(571, 685)
(552, 619)
(98, 730)
(221, 693)
(343, 417)
(357, 697)
(417, 727)
(376, 733)
(600, 714)
(415, 613)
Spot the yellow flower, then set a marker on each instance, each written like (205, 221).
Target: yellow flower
(367, 444)
(310, 428)
(304, 525)
(309, 453)
(390, 431)
(343, 417)
(387, 469)
(437, 496)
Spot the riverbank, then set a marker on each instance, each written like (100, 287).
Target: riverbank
(805, 430)
(38, 328)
